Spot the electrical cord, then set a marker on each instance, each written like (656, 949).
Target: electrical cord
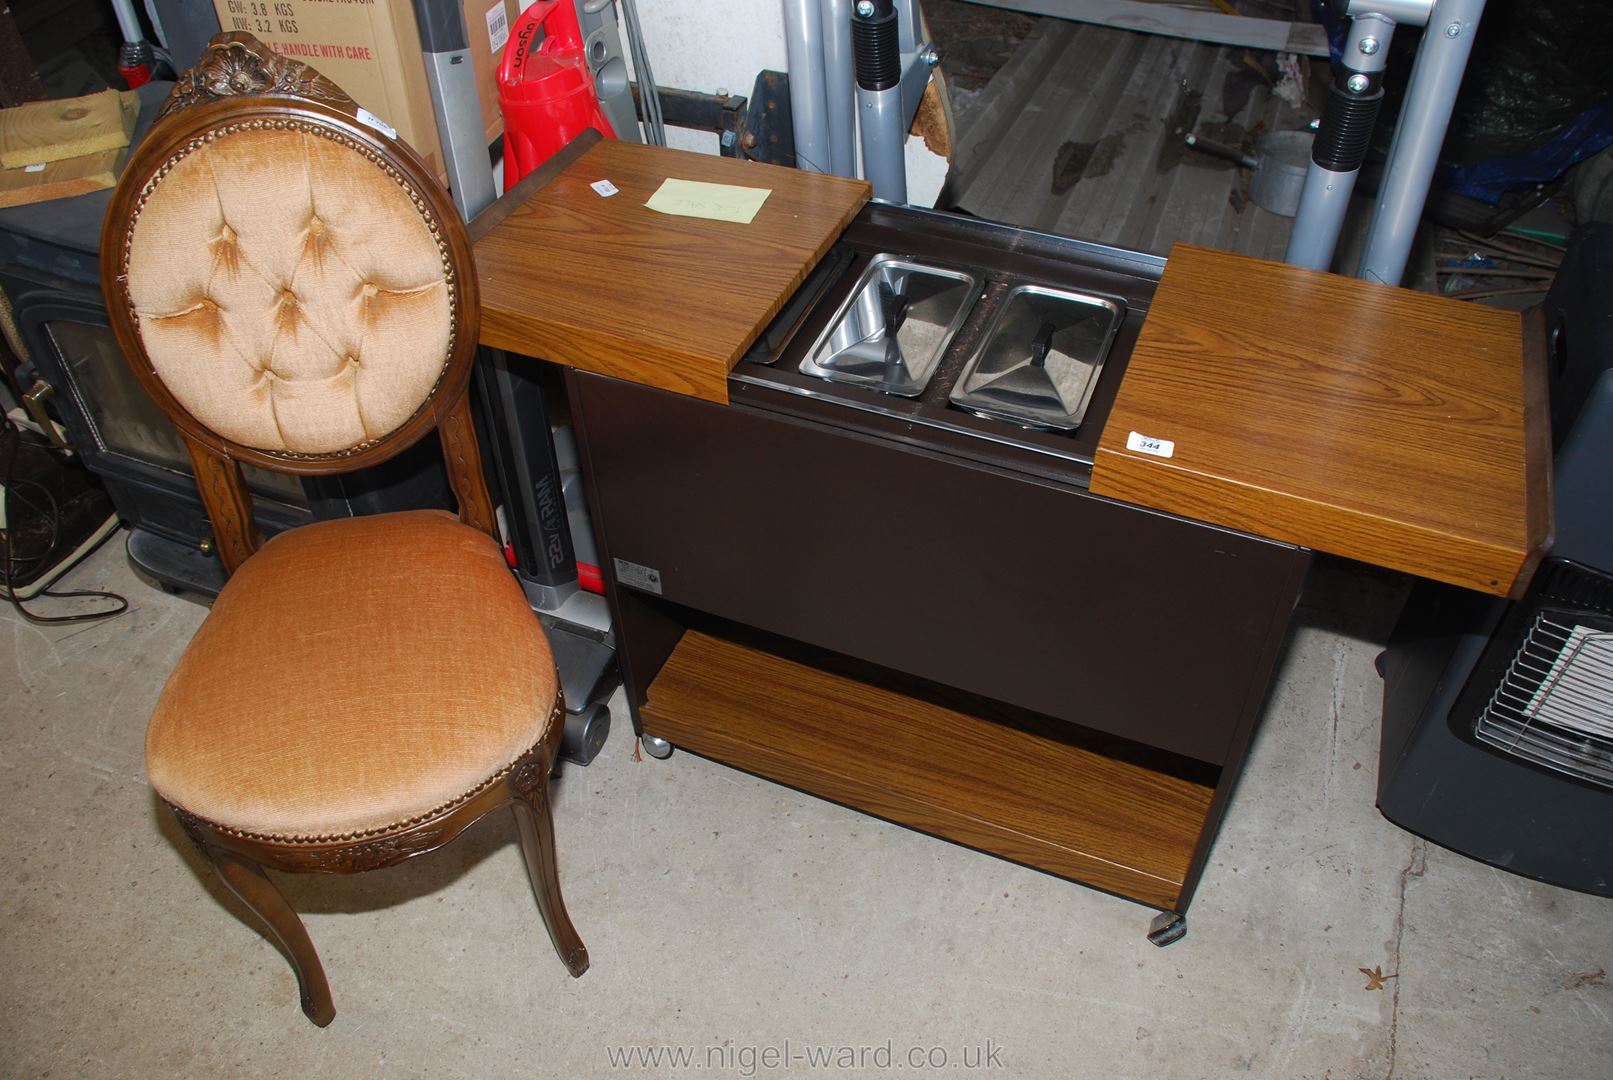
(51, 512)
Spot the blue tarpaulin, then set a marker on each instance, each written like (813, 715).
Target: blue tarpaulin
(1585, 136)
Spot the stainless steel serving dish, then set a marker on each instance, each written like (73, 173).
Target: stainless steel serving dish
(891, 332)
(1039, 359)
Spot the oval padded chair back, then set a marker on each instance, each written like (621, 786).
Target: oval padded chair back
(291, 284)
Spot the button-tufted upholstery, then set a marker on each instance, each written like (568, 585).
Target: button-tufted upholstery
(353, 675)
(289, 294)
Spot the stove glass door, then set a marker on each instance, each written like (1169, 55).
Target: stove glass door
(123, 418)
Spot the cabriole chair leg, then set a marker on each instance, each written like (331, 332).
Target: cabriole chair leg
(254, 889)
(536, 826)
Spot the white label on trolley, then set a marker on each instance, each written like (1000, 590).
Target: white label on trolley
(1143, 444)
(498, 27)
(605, 188)
(637, 576)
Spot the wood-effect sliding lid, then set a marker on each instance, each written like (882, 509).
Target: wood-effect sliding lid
(606, 284)
(1385, 425)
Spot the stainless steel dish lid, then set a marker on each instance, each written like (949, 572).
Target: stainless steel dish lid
(892, 330)
(1039, 359)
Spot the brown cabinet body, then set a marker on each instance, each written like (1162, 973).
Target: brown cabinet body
(983, 653)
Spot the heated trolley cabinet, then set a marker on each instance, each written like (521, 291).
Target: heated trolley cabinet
(993, 534)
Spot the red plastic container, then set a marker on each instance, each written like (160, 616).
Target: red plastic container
(546, 91)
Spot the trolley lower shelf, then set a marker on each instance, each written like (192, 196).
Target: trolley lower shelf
(1015, 790)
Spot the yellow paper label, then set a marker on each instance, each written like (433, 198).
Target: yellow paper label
(718, 202)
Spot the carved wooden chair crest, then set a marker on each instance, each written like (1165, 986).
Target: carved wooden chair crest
(295, 290)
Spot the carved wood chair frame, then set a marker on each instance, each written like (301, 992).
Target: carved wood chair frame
(240, 84)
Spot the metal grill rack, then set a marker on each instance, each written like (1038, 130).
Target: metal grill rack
(1554, 705)
(1542, 691)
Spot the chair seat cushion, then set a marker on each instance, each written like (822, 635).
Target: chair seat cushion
(353, 675)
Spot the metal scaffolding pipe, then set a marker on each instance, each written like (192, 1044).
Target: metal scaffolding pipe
(128, 20)
(839, 79)
(1404, 12)
(1341, 143)
(809, 111)
(876, 41)
(1414, 153)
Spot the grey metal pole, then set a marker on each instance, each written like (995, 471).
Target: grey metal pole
(1341, 143)
(809, 110)
(839, 79)
(452, 83)
(1404, 12)
(128, 20)
(884, 163)
(877, 44)
(1414, 153)
(910, 29)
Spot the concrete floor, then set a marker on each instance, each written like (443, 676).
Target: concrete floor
(723, 911)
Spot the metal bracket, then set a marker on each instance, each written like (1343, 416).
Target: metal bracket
(769, 133)
(758, 128)
(916, 68)
(723, 114)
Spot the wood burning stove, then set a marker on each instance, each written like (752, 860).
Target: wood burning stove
(50, 274)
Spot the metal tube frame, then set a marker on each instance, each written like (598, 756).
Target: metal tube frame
(884, 161)
(128, 20)
(809, 109)
(1404, 12)
(839, 77)
(1413, 155)
(1325, 198)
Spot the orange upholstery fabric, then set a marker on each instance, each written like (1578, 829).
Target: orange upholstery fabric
(289, 294)
(352, 675)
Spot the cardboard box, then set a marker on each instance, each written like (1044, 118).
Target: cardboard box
(371, 49)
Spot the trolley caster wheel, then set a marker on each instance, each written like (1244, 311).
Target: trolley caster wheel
(658, 748)
(1167, 927)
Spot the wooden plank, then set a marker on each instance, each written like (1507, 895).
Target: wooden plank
(1380, 424)
(608, 285)
(1174, 20)
(1014, 793)
(45, 131)
(59, 179)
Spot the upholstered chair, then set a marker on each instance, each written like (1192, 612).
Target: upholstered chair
(292, 286)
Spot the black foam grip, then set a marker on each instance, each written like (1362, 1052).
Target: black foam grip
(877, 46)
(1346, 129)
